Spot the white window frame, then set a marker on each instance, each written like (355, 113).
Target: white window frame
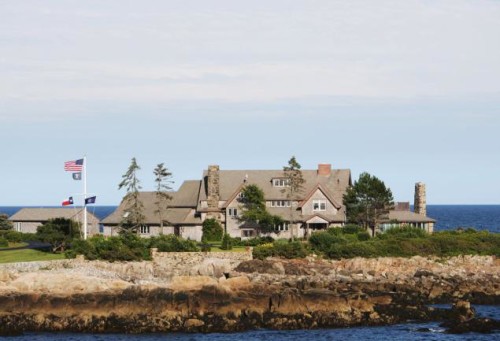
(232, 212)
(319, 203)
(281, 227)
(280, 203)
(144, 229)
(281, 182)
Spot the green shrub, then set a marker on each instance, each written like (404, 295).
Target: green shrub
(263, 251)
(403, 232)
(226, 242)
(363, 236)
(4, 242)
(352, 229)
(322, 241)
(290, 249)
(212, 230)
(17, 237)
(252, 241)
(172, 243)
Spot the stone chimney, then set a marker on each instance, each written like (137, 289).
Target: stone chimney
(324, 169)
(213, 191)
(420, 206)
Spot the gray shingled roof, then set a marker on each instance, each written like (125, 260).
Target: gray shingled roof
(229, 181)
(180, 208)
(409, 217)
(44, 214)
(187, 195)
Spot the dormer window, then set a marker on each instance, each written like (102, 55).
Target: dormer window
(281, 182)
(319, 205)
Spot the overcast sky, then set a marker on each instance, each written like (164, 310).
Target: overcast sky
(406, 90)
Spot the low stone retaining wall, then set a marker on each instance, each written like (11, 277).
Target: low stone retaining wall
(163, 266)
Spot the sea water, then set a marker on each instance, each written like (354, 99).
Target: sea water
(448, 217)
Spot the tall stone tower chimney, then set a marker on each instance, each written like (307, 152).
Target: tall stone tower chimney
(420, 206)
(213, 191)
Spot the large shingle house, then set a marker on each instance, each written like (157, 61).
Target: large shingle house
(217, 195)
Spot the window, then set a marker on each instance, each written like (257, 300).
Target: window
(248, 233)
(232, 212)
(281, 227)
(280, 203)
(280, 182)
(319, 205)
(101, 228)
(144, 230)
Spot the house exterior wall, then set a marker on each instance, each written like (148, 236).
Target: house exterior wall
(191, 232)
(307, 208)
(31, 226)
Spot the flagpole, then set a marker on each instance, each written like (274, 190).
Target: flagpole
(84, 197)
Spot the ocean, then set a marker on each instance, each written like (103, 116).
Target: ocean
(448, 217)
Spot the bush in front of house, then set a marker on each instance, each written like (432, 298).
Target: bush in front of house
(212, 230)
(17, 237)
(227, 243)
(281, 248)
(252, 241)
(126, 247)
(172, 243)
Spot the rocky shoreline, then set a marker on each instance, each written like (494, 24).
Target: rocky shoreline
(219, 296)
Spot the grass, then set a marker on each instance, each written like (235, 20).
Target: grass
(27, 255)
(14, 245)
(234, 249)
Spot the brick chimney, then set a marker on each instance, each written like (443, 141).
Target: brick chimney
(420, 205)
(324, 169)
(213, 191)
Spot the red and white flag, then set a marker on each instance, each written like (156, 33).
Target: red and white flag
(73, 166)
(68, 201)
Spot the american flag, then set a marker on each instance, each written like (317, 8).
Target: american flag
(73, 166)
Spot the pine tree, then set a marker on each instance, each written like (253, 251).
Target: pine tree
(367, 201)
(134, 217)
(294, 187)
(163, 182)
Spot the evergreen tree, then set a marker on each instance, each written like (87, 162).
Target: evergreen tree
(367, 201)
(5, 223)
(294, 188)
(134, 217)
(254, 210)
(163, 182)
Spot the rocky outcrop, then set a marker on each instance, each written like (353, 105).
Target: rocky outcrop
(278, 294)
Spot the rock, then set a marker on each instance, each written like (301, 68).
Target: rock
(188, 283)
(236, 283)
(190, 323)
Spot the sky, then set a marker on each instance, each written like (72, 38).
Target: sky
(408, 91)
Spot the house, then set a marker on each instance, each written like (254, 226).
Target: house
(403, 216)
(180, 218)
(27, 220)
(218, 195)
(318, 206)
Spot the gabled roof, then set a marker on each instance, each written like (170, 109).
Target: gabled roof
(182, 203)
(408, 217)
(326, 194)
(44, 214)
(230, 180)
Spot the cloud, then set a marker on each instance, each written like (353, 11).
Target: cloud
(225, 52)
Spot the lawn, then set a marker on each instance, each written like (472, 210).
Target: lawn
(234, 249)
(27, 255)
(11, 245)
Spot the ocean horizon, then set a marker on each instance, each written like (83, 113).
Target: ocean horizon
(448, 217)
